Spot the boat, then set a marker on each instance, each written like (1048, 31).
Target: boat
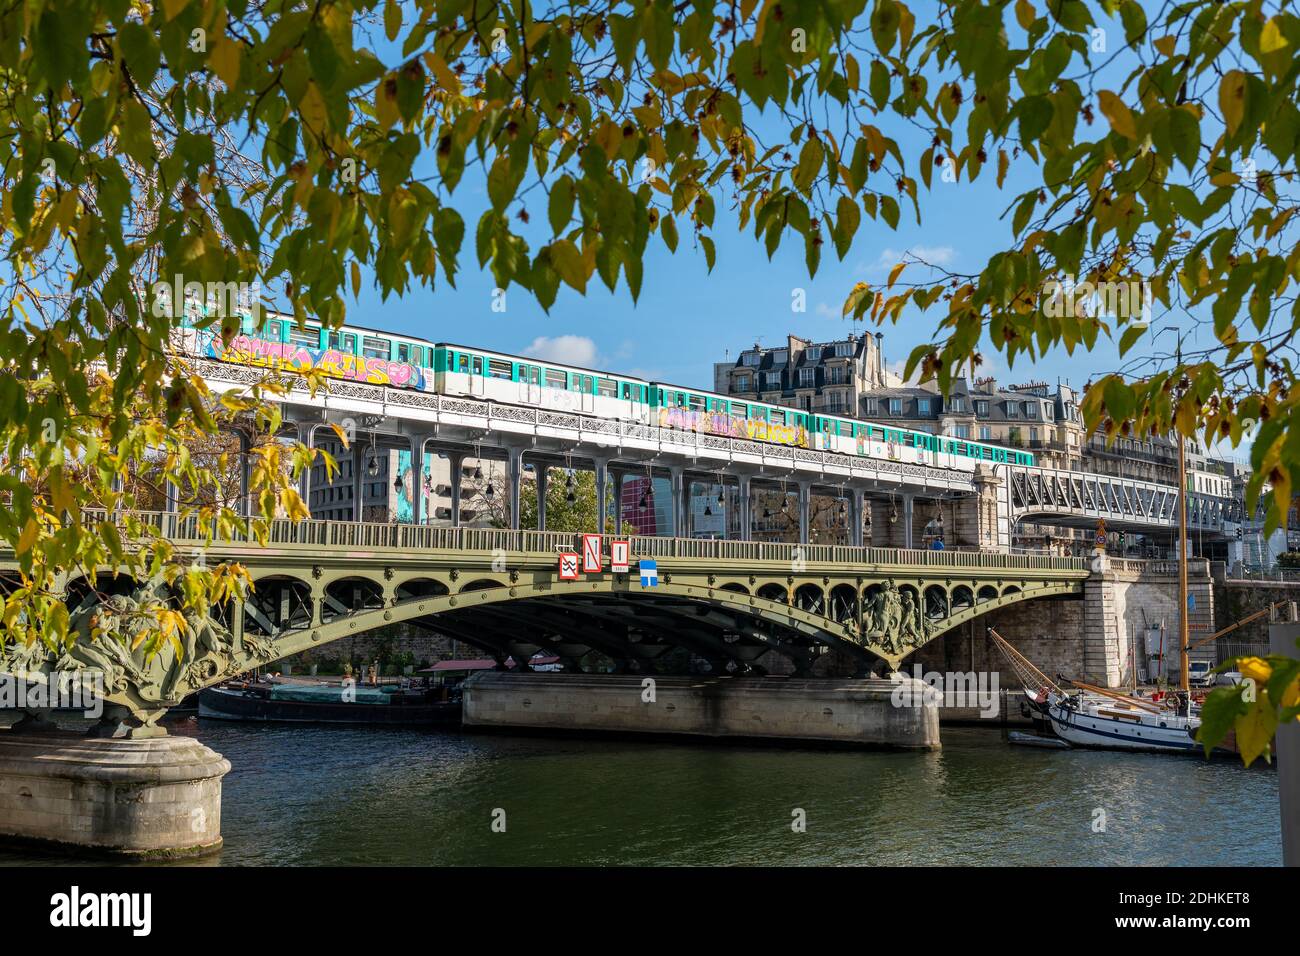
(329, 704)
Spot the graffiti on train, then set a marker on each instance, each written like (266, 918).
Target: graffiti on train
(286, 356)
(719, 423)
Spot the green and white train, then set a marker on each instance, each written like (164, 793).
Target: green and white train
(358, 354)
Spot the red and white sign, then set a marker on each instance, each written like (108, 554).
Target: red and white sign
(591, 557)
(568, 566)
(620, 553)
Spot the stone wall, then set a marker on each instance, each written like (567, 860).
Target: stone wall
(386, 644)
(1235, 599)
(1093, 639)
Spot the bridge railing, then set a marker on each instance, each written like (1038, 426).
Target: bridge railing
(406, 537)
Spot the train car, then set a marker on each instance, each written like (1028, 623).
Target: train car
(372, 356)
(352, 353)
(496, 376)
(686, 409)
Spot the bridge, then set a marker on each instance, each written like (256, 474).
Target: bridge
(1082, 499)
(886, 501)
(730, 602)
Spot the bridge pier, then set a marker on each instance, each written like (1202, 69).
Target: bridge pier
(147, 799)
(874, 713)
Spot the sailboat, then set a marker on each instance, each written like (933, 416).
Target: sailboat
(1099, 717)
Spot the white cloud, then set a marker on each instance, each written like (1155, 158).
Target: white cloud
(564, 349)
(828, 311)
(931, 255)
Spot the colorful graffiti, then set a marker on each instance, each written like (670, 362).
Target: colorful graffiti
(719, 423)
(285, 356)
(403, 497)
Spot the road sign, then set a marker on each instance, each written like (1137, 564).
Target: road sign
(568, 566)
(620, 553)
(591, 558)
(649, 574)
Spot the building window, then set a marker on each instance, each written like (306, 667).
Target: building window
(749, 358)
(844, 349)
(986, 433)
(961, 431)
(1012, 410)
(982, 409)
(869, 407)
(813, 352)
(807, 377)
(959, 404)
(743, 383)
(1031, 409)
(781, 356)
(923, 406)
(771, 380)
(895, 406)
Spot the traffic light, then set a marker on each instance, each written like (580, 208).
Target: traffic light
(1239, 535)
(1121, 537)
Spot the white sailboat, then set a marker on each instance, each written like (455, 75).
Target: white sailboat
(1100, 718)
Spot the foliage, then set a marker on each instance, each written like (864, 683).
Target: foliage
(1268, 697)
(295, 149)
(1289, 559)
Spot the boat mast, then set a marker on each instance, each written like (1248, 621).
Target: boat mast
(1183, 630)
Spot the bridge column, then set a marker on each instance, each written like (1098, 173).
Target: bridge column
(514, 474)
(677, 481)
(602, 503)
(742, 491)
(907, 520)
(456, 460)
(856, 496)
(304, 480)
(358, 485)
(620, 478)
(417, 443)
(245, 477)
(805, 506)
(541, 472)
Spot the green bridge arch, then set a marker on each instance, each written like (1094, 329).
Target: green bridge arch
(318, 582)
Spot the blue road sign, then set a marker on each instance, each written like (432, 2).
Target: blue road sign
(649, 574)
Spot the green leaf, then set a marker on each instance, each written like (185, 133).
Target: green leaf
(560, 205)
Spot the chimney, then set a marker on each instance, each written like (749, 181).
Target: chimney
(880, 357)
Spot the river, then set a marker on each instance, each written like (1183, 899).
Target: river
(319, 795)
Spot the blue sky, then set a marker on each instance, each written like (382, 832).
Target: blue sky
(687, 318)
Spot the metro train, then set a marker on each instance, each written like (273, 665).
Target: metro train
(355, 353)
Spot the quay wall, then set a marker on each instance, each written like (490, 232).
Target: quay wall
(863, 713)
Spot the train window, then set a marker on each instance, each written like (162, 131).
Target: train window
(342, 341)
(307, 337)
(556, 378)
(404, 352)
(460, 362)
(476, 364)
(498, 368)
(530, 374)
(697, 402)
(372, 346)
(739, 410)
(607, 387)
(273, 331)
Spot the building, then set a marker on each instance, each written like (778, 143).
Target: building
(828, 377)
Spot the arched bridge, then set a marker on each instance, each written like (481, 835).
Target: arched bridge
(728, 601)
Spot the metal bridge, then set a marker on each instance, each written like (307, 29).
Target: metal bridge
(1081, 499)
(730, 602)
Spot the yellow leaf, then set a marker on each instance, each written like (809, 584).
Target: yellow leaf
(356, 279)
(312, 108)
(1232, 99)
(1167, 44)
(1025, 14)
(28, 537)
(1270, 38)
(386, 113)
(1255, 729)
(224, 58)
(894, 273)
(447, 79)
(1121, 118)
